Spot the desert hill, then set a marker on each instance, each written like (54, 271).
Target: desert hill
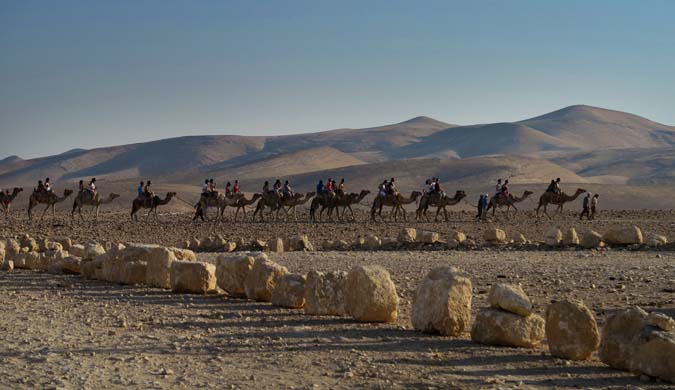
(580, 144)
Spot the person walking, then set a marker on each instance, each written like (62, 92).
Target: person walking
(586, 205)
(594, 206)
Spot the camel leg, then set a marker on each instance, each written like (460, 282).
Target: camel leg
(44, 212)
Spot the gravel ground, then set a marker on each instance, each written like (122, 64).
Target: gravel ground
(61, 331)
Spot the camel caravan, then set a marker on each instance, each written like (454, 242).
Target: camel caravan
(279, 202)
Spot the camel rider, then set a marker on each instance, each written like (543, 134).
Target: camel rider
(139, 190)
(505, 189)
(205, 187)
(382, 190)
(498, 187)
(228, 191)
(551, 187)
(558, 190)
(426, 188)
(92, 187)
(329, 185)
(80, 187)
(236, 189)
(287, 190)
(266, 187)
(392, 187)
(341, 187)
(48, 186)
(438, 189)
(147, 191)
(40, 187)
(212, 187)
(277, 188)
(320, 187)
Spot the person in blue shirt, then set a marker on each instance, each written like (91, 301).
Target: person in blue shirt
(140, 189)
(319, 188)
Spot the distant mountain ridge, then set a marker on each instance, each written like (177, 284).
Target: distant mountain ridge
(557, 138)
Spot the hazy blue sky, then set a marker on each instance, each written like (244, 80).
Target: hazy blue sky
(81, 74)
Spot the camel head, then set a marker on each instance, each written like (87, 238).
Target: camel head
(460, 195)
(17, 190)
(310, 194)
(297, 196)
(364, 193)
(527, 193)
(113, 196)
(415, 194)
(256, 196)
(580, 191)
(67, 193)
(170, 195)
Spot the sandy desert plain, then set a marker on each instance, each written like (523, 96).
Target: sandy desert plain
(63, 331)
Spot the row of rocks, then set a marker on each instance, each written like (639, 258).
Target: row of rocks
(622, 236)
(218, 243)
(632, 339)
(365, 293)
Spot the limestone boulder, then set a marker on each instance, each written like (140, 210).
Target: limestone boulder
(407, 235)
(92, 269)
(336, 245)
(325, 293)
(124, 266)
(2, 251)
(77, 250)
(36, 261)
(289, 291)
(30, 243)
(183, 254)
(388, 242)
(65, 242)
(231, 273)
(571, 330)
(263, 278)
(591, 239)
(631, 341)
(627, 235)
(192, 277)
(7, 265)
(371, 242)
(495, 236)
(458, 236)
(370, 294)
(276, 245)
(158, 270)
(661, 321)
(426, 237)
(553, 237)
(654, 240)
(72, 264)
(12, 248)
(510, 298)
(92, 249)
(453, 244)
(195, 244)
(499, 327)
(570, 238)
(299, 242)
(442, 302)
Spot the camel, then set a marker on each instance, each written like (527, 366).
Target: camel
(219, 200)
(500, 201)
(558, 199)
(396, 202)
(48, 198)
(242, 203)
(274, 202)
(292, 203)
(144, 203)
(347, 201)
(334, 203)
(324, 200)
(435, 199)
(7, 199)
(84, 198)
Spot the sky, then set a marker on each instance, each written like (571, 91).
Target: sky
(84, 74)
